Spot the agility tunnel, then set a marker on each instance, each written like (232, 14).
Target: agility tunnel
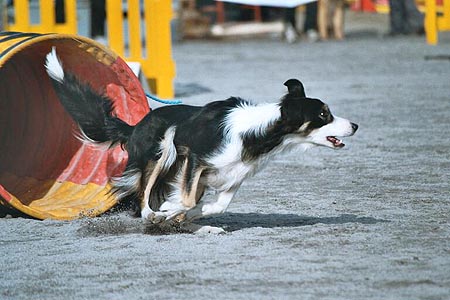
(45, 171)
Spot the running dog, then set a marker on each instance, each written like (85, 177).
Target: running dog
(177, 152)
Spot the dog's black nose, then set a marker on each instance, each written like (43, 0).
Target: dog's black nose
(355, 127)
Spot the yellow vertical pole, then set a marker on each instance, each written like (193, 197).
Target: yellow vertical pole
(21, 16)
(47, 10)
(431, 22)
(446, 15)
(159, 66)
(70, 26)
(134, 29)
(114, 20)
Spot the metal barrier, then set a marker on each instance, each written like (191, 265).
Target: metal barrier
(150, 21)
(437, 18)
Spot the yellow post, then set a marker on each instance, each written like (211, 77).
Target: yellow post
(21, 16)
(114, 19)
(434, 22)
(159, 66)
(47, 10)
(431, 22)
(444, 20)
(134, 28)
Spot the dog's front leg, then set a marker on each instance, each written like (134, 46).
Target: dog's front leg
(155, 170)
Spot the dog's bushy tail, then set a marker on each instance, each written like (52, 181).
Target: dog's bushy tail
(92, 112)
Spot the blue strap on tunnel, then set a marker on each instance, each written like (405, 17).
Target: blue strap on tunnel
(171, 102)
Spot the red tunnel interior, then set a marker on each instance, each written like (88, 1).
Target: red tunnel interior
(38, 144)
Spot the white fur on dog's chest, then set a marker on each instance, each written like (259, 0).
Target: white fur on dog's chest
(228, 177)
(229, 171)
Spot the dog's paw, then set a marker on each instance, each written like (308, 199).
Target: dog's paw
(158, 217)
(200, 229)
(153, 217)
(210, 230)
(146, 213)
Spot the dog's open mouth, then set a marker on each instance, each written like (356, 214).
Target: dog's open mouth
(335, 141)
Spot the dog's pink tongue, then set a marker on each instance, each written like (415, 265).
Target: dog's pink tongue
(335, 141)
(339, 144)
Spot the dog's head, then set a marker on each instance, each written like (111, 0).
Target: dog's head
(312, 119)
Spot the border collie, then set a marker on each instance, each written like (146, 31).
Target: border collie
(177, 152)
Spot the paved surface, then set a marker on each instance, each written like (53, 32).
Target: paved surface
(368, 222)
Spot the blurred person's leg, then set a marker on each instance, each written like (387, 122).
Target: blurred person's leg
(60, 14)
(322, 18)
(397, 17)
(98, 17)
(338, 19)
(310, 17)
(414, 17)
(310, 24)
(289, 17)
(290, 23)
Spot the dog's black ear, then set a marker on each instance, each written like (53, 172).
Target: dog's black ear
(295, 87)
(292, 112)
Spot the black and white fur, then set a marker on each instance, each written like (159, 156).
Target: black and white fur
(177, 152)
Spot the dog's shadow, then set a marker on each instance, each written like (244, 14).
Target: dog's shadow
(122, 224)
(238, 221)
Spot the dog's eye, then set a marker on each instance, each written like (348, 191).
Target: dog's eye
(325, 116)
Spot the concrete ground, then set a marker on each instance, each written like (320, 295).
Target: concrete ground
(368, 222)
